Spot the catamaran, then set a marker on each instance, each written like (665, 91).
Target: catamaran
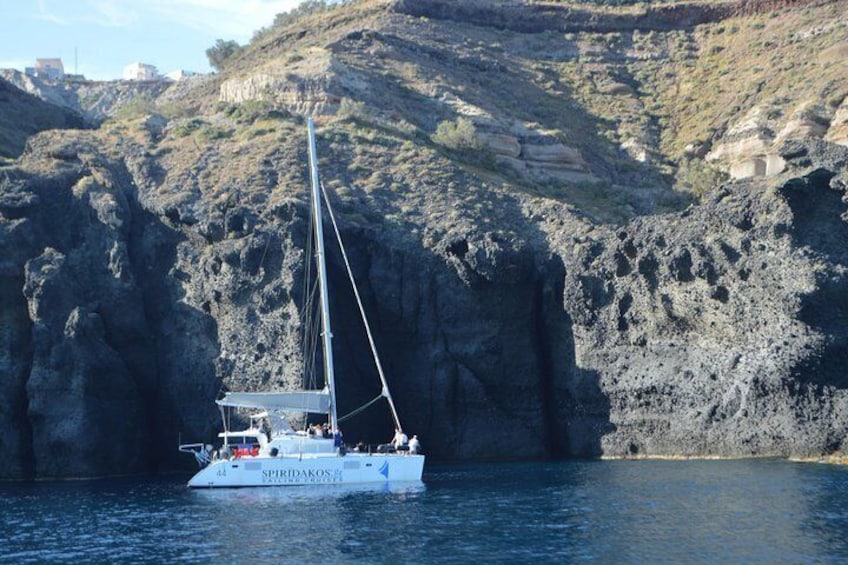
(269, 451)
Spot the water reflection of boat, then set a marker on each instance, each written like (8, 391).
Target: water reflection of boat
(269, 452)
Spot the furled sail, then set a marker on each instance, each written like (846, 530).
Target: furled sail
(312, 401)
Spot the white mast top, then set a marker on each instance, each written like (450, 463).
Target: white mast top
(327, 333)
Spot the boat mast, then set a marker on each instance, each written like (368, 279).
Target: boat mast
(326, 333)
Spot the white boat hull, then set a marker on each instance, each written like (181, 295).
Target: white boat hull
(353, 468)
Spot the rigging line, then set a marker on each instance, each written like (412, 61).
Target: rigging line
(312, 328)
(360, 409)
(307, 328)
(306, 309)
(313, 336)
(385, 392)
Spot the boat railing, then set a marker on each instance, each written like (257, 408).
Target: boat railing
(202, 452)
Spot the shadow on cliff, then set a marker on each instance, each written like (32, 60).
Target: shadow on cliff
(819, 225)
(107, 360)
(576, 407)
(184, 343)
(480, 358)
(15, 364)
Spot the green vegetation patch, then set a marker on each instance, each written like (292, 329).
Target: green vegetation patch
(459, 135)
(138, 107)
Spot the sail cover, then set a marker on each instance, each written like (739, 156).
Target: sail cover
(313, 401)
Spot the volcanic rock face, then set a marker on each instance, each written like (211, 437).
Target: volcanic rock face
(81, 354)
(717, 331)
(159, 260)
(24, 115)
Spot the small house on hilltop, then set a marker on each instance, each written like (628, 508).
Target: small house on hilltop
(140, 71)
(50, 69)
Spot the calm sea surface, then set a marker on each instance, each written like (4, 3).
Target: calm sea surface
(757, 511)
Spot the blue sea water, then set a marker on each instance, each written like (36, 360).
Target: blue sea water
(749, 511)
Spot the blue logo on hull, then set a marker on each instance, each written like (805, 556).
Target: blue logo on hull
(384, 470)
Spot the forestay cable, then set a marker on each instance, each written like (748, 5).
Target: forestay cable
(385, 391)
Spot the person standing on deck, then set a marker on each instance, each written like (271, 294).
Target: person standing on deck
(400, 440)
(414, 445)
(338, 440)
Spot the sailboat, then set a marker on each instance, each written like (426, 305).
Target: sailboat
(269, 452)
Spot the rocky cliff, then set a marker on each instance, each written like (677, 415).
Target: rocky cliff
(719, 331)
(24, 115)
(535, 291)
(88, 101)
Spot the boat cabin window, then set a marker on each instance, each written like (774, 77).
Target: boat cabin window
(235, 441)
(241, 446)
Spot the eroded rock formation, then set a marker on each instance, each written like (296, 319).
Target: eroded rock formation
(716, 331)
(152, 263)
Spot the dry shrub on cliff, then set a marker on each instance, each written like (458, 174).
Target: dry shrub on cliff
(461, 138)
(212, 133)
(137, 107)
(354, 111)
(296, 14)
(360, 114)
(698, 177)
(459, 135)
(182, 128)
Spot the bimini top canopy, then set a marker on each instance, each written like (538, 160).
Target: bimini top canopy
(312, 401)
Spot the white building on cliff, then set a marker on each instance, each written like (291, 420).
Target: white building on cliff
(51, 69)
(140, 71)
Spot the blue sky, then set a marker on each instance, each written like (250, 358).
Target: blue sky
(109, 34)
